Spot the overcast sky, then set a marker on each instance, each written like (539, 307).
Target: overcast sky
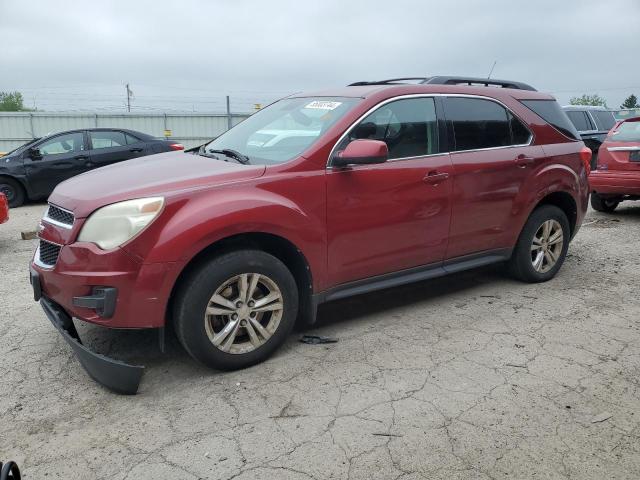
(189, 54)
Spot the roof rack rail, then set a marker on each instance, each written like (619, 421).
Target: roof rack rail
(389, 81)
(452, 80)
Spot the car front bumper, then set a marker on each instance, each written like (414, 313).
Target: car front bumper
(115, 375)
(612, 182)
(108, 288)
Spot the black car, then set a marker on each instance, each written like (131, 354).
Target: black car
(33, 170)
(593, 123)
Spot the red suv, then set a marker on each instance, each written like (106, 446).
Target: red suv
(316, 197)
(617, 176)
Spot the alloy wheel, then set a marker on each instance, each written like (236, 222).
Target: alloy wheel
(243, 313)
(547, 245)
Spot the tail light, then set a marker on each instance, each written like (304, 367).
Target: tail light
(585, 156)
(176, 146)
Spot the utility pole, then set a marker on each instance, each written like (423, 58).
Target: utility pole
(129, 95)
(229, 121)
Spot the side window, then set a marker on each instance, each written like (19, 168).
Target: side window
(131, 139)
(409, 127)
(579, 120)
(71, 142)
(520, 135)
(479, 123)
(106, 139)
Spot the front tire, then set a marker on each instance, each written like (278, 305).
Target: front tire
(603, 204)
(13, 191)
(542, 246)
(236, 309)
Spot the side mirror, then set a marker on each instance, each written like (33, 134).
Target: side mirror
(362, 152)
(34, 154)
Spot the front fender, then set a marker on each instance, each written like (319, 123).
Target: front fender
(195, 222)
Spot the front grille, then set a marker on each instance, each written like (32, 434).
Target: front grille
(59, 215)
(49, 253)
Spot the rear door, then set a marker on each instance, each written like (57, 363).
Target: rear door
(62, 156)
(392, 216)
(492, 158)
(110, 146)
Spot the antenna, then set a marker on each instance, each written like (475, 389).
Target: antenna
(492, 67)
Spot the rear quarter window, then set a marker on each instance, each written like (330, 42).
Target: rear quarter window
(550, 112)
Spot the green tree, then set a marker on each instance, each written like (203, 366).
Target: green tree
(11, 102)
(630, 102)
(594, 99)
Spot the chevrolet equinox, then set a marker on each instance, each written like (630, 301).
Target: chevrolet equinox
(316, 197)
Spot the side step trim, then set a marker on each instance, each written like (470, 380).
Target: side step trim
(412, 275)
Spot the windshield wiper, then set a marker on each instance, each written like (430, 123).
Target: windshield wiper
(232, 154)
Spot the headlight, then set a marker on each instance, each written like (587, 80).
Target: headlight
(111, 226)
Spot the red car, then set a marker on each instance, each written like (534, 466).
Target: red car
(317, 197)
(617, 176)
(4, 208)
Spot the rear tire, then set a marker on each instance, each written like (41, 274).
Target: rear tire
(235, 309)
(603, 204)
(542, 245)
(13, 191)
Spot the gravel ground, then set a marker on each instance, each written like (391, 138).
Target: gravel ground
(474, 376)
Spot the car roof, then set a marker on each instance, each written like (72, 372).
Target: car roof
(98, 129)
(392, 90)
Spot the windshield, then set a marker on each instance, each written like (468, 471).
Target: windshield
(283, 130)
(626, 132)
(21, 147)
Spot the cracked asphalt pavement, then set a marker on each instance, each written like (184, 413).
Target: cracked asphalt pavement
(473, 376)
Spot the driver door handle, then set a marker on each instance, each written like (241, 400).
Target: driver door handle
(434, 177)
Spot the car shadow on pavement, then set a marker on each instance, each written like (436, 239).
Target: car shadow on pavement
(361, 306)
(141, 347)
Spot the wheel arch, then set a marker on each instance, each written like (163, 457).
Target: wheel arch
(278, 246)
(20, 181)
(565, 202)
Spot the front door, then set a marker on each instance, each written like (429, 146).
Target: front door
(392, 216)
(61, 157)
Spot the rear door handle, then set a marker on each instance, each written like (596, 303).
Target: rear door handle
(523, 161)
(434, 178)
(81, 157)
(136, 149)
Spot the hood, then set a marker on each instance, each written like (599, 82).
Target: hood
(147, 176)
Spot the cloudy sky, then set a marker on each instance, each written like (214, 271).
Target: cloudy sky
(189, 54)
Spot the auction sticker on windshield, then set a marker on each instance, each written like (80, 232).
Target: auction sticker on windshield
(323, 105)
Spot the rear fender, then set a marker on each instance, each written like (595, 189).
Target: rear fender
(554, 178)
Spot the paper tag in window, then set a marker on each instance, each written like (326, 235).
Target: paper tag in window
(323, 105)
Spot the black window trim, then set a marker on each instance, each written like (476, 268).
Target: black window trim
(445, 149)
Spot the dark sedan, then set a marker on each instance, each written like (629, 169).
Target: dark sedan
(33, 170)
